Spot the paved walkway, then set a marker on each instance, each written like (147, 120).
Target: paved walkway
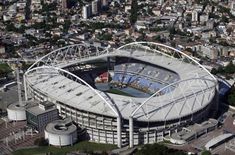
(9, 131)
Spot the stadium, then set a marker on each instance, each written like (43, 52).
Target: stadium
(132, 95)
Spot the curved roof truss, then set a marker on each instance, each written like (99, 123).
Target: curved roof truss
(53, 71)
(78, 52)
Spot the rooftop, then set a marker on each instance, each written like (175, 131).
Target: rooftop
(61, 127)
(190, 131)
(37, 110)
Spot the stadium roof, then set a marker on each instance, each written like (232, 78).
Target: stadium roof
(193, 92)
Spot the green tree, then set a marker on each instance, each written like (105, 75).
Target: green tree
(213, 71)
(224, 19)
(66, 25)
(231, 97)
(206, 152)
(220, 70)
(157, 149)
(105, 36)
(4, 70)
(10, 27)
(230, 68)
(40, 142)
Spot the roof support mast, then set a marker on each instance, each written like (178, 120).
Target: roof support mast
(18, 86)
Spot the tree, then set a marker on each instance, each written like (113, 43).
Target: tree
(231, 97)
(4, 70)
(220, 70)
(213, 71)
(157, 38)
(41, 142)
(105, 36)
(206, 152)
(213, 15)
(224, 19)
(230, 68)
(229, 30)
(66, 25)
(189, 50)
(173, 44)
(10, 27)
(158, 149)
(128, 40)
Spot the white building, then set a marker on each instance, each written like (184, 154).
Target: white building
(209, 51)
(86, 11)
(194, 16)
(2, 49)
(160, 2)
(232, 7)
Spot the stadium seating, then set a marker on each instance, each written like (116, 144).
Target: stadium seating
(144, 76)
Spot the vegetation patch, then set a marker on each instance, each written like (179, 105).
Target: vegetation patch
(4, 69)
(87, 147)
(231, 97)
(158, 149)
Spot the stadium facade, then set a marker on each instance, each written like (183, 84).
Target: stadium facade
(127, 96)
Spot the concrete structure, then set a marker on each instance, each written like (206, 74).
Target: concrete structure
(40, 115)
(95, 5)
(61, 132)
(208, 51)
(184, 91)
(15, 112)
(230, 145)
(218, 140)
(192, 132)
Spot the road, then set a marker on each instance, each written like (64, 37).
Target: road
(8, 97)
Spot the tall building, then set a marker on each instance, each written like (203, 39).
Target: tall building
(86, 11)
(2, 49)
(96, 5)
(64, 4)
(232, 7)
(194, 16)
(161, 2)
(40, 115)
(104, 3)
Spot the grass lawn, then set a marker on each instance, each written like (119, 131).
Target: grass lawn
(82, 146)
(118, 92)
